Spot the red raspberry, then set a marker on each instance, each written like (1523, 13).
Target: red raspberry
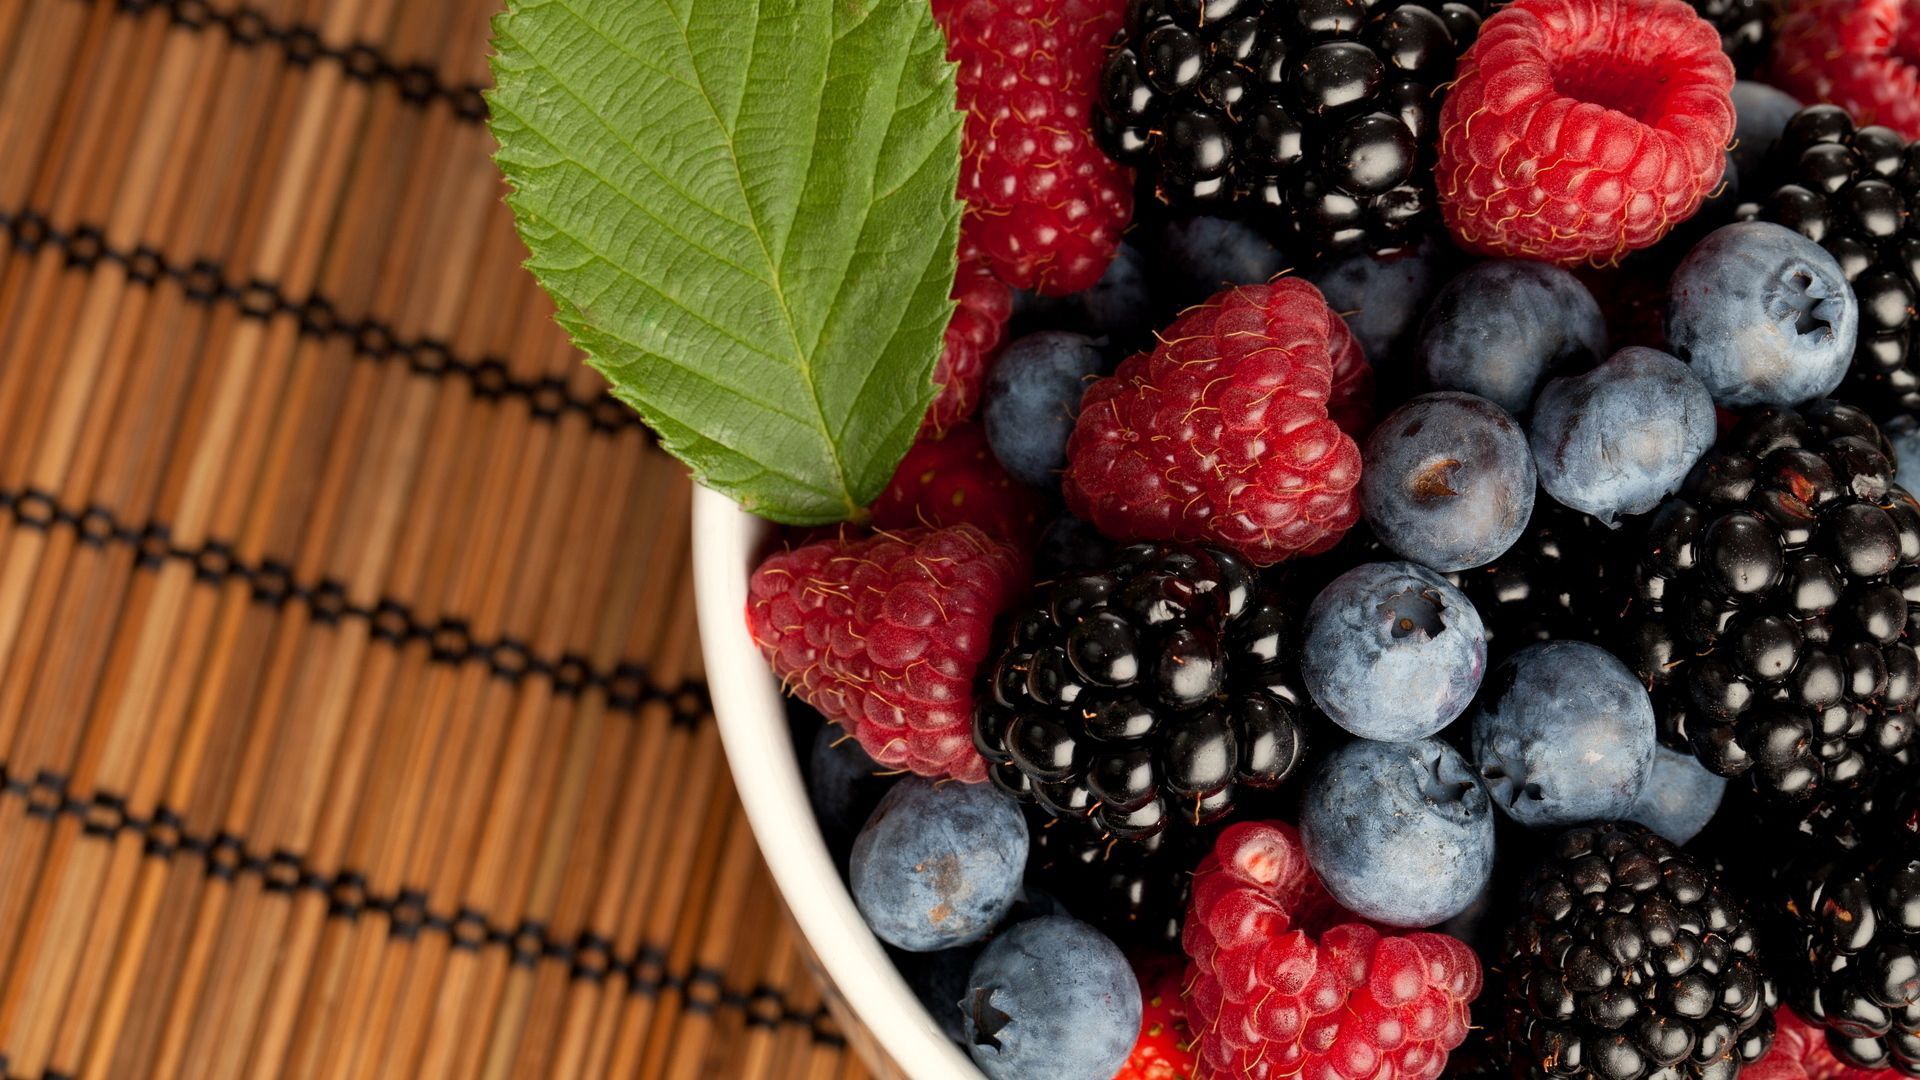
(883, 634)
(1221, 433)
(1279, 989)
(1580, 130)
(1862, 55)
(1045, 205)
(1800, 1052)
(1165, 1048)
(973, 333)
(954, 479)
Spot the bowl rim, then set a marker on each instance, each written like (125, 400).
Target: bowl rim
(766, 773)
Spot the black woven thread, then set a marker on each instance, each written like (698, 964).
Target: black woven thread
(206, 282)
(628, 685)
(588, 955)
(302, 46)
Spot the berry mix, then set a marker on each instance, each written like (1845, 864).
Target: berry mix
(1407, 572)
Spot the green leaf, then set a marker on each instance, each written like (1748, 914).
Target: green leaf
(745, 212)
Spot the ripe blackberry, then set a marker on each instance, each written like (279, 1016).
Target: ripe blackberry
(1746, 30)
(1135, 893)
(1854, 191)
(1770, 616)
(1629, 959)
(1321, 114)
(1557, 583)
(1845, 932)
(1145, 693)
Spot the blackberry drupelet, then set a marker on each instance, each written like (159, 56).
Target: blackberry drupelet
(1136, 893)
(1558, 582)
(1770, 615)
(1746, 30)
(1845, 931)
(1855, 191)
(1630, 960)
(1321, 114)
(1145, 693)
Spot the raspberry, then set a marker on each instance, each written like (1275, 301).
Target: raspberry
(1800, 1052)
(984, 304)
(1863, 55)
(954, 479)
(1165, 1049)
(1277, 988)
(1221, 434)
(1580, 130)
(1045, 206)
(882, 634)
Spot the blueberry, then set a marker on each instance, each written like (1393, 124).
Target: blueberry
(843, 784)
(1120, 307)
(1382, 296)
(1623, 436)
(1400, 833)
(1069, 543)
(938, 865)
(939, 980)
(1203, 254)
(1032, 397)
(1760, 114)
(1051, 999)
(1447, 481)
(1393, 652)
(1763, 314)
(1563, 734)
(1680, 797)
(1502, 328)
(1903, 431)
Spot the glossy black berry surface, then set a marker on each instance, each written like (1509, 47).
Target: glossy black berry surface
(1558, 582)
(1772, 609)
(1136, 893)
(1746, 30)
(1855, 191)
(1630, 959)
(1147, 692)
(1320, 115)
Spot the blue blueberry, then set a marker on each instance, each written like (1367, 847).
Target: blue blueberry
(1680, 797)
(1903, 431)
(1763, 314)
(1563, 734)
(843, 785)
(1760, 114)
(1621, 437)
(1032, 397)
(1202, 255)
(1393, 652)
(1119, 308)
(1382, 297)
(938, 865)
(939, 980)
(1051, 999)
(1447, 481)
(1502, 328)
(1401, 833)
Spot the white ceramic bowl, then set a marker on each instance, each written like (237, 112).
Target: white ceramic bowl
(880, 1015)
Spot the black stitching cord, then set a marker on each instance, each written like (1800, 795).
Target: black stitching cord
(205, 282)
(628, 685)
(588, 956)
(301, 44)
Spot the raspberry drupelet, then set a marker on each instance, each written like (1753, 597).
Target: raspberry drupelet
(1284, 983)
(1580, 130)
(1222, 434)
(982, 306)
(883, 635)
(1045, 207)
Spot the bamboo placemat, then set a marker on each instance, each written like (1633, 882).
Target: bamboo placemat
(351, 716)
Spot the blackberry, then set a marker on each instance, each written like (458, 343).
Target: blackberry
(1746, 30)
(1846, 932)
(1630, 960)
(1319, 114)
(1770, 615)
(1557, 583)
(1149, 691)
(1136, 893)
(1853, 191)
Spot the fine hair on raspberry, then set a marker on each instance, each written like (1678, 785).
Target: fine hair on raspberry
(1580, 130)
